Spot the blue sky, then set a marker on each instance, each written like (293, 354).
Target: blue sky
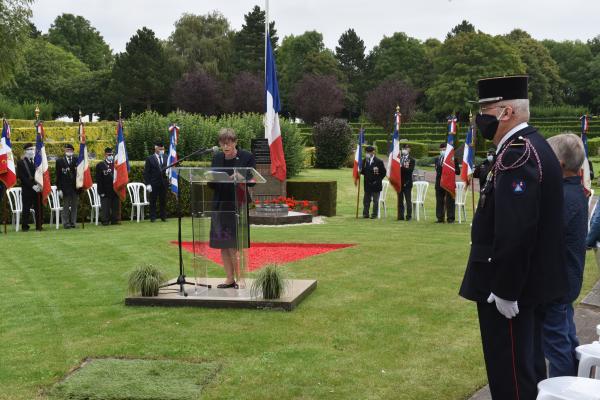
(117, 20)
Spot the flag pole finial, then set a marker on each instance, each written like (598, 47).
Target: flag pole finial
(397, 108)
(119, 110)
(37, 111)
(80, 115)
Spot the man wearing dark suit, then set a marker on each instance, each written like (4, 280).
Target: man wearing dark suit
(444, 202)
(66, 176)
(482, 170)
(29, 188)
(516, 262)
(156, 180)
(407, 164)
(109, 200)
(374, 172)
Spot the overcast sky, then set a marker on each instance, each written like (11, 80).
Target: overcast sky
(117, 20)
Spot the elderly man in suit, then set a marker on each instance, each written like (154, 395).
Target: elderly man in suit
(156, 181)
(374, 172)
(66, 176)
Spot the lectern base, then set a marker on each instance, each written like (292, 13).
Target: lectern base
(296, 291)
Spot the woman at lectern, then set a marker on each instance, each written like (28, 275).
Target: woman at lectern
(223, 227)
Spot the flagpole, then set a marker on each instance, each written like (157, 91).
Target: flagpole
(474, 147)
(358, 190)
(266, 34)
(4, 200)
(38, 216)
(117, 149)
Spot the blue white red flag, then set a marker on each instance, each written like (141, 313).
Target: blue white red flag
(448, 180)
(40, 161)
(84, 176)
(273, 107)
(586, 179)
(358, 156)
(8, 172)
(172, 172)
(121, 169)
(468, 164)
(394, 166)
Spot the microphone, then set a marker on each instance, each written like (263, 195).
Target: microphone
(208, 150)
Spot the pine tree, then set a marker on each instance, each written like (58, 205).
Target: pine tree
(352, 62)
(248, 43)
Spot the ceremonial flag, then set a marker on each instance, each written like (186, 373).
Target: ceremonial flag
(358, 156)
(121, 170)
(8, 174)
(172, 172)
(272, 129)
(586, 178)
(448, 180)
(40, 161)
(468, 163)
(84, 176)
(393, 167)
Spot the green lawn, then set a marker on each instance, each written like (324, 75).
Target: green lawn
(384, 323)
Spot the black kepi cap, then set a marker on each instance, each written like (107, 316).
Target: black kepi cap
(159, 143)
(369, 149)
(491, 90)
(28, 146)
(108, 150)
(69, 146)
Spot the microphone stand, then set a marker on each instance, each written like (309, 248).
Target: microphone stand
(181, 278)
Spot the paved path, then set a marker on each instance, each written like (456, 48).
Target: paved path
(587, 316)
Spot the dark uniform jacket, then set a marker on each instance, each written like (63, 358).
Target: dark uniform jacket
(407, 173)
(66, 175)
(153, 172)
(438, 169)
(372, 181)
(104, 179)
(26, 174)
(517, 239)
(481, 172)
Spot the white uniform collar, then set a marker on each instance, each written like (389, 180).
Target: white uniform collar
(510, 133)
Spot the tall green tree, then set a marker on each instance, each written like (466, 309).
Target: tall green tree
(399, 57)
(77, 35)
(142, 76)
(300, 55)
(594, 84)
(249, 43)
(594, 45)
(573, 59)
(204, 42)
(46, 75)
(545, 83)
(463, 59)
(350, 54)
(464, 27)
(14, 29)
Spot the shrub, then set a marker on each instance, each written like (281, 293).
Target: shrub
(333, 142)
(268, 283)
(145, 279)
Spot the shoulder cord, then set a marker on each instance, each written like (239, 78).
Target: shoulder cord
(499, 166)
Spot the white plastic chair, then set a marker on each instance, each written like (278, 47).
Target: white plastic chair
(137, 201)
(385, 184)
(569, 388)
(589, 357)
(95, 204)
(418, 201)
(459, 200)
(55, 208)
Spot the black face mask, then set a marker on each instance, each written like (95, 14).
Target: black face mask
(487, 125)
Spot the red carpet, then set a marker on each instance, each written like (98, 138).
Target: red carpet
(261, 254)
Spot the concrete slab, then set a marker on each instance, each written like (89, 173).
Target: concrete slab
(593, 297)
(197, 296)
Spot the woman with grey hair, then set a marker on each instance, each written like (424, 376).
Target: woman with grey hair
(559, 335)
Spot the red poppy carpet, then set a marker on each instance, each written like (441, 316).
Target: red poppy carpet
(261, 254)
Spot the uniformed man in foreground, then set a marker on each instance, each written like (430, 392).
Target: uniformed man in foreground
(516, 259)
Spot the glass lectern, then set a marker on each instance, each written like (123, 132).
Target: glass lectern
(219, 204)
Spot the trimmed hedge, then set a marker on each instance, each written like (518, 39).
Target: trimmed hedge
(417, 149)
(323, 192)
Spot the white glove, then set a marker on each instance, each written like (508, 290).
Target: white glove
(149, 188)
(507, 308)
(60, 194)
(37, 188)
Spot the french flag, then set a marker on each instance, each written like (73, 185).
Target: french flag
(272, 129)
(172, 172)
(448, 180)
(121, 170)
(358, 156)
(586, 177)
(8, 174)
(83, 179)
(393, 169)
(40, 161)
(468, 164)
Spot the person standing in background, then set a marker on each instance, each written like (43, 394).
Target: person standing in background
(374, 172)
(29, 188)
(66, 174)
(407, 164)
(109, 200)
(156, 181)
(444, 202)
(482, 170)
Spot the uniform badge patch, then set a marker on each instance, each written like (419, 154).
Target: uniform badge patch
(518, 187)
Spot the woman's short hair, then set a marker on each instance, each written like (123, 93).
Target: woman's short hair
(569, 150)
(227, 135)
